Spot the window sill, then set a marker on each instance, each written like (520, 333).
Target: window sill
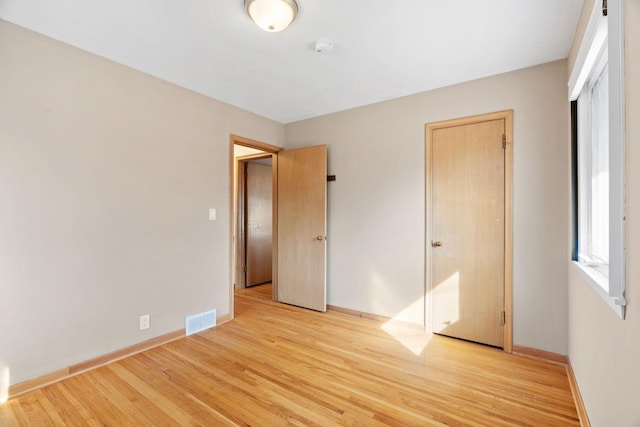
(599, 282)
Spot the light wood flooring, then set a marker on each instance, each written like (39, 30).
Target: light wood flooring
(281, 365)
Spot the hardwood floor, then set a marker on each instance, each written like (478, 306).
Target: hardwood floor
(261, 291)
(281, 365)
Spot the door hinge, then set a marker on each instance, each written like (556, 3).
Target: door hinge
(504, 141)
(245, 268)
(503, 317)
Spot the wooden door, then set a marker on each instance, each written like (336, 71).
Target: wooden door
(258, 229)
(468, 231)
(302, 224)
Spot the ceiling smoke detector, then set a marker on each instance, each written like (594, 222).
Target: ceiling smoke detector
(324, 46)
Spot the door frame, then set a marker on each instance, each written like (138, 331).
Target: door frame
(507, 116)
(273, 151)
(241, 220)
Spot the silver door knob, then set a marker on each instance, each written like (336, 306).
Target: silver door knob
(436, 244)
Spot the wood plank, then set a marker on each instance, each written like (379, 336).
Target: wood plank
(223, 319)
(276, 364)
(540, 354)
(508, 231)
(274, 227)
(125, 352)
(375, 317)
(252, 143)
(577, 397)
(35, 383)
(37, 413)
(356, 313)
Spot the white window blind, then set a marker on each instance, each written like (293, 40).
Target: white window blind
(599, 191)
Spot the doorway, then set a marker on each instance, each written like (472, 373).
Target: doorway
(245, 152)
(468, 241)
(254, 219)
(299, 204)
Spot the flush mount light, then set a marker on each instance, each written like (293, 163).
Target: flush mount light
(272, 15)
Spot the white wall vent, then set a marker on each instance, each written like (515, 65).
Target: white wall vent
(199, 322)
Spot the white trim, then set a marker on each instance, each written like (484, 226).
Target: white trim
(594, 37)
(617, 244)
(596, 280)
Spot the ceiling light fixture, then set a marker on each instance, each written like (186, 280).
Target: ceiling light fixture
(272, 15)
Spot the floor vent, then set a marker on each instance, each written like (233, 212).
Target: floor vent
(200, 322)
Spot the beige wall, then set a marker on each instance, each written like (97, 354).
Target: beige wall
(106, 178)
(605, 350)
(377, 204)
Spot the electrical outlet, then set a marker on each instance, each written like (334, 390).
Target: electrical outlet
(144, 322)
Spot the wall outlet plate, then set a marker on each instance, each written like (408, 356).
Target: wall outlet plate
(144, 322)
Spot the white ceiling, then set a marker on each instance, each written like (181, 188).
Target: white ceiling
(383, 49)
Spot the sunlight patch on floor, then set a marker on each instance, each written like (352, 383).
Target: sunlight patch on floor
(410, 335)
(414, 339)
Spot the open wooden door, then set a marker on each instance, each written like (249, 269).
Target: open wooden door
(302, 225)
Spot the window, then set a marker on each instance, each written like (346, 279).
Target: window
(593, 171)
(596, 86)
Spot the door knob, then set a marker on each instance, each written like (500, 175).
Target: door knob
(319, 238)
(436, 244)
